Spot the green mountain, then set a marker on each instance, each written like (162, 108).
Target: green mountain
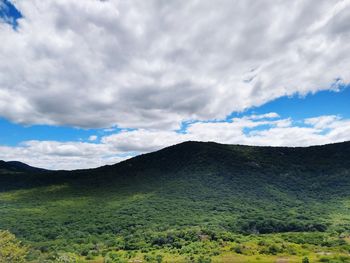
(192, 201)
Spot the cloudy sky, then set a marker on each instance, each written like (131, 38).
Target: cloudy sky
(89, 82)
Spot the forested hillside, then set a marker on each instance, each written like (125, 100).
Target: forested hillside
(192, 202)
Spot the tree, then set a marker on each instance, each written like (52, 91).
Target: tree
(66, 258)
(305, 260)
(159, 258)
(11, 250)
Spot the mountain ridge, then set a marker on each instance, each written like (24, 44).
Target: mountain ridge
(17, 166)
(25, 167)
(157, 200)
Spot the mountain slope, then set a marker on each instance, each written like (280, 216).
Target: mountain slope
(193, 187)
(17, 167)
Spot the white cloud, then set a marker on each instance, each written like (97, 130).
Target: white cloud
(152, 64)
(116, 147)
(322, 121)
(62, 155)
(92, 138)
(269, 115)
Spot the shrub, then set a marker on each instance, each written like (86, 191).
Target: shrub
(11, 250)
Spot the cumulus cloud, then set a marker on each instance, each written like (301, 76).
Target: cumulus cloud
(153, 64)
(248, 130)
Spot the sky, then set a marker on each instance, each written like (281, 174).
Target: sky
(86, 83)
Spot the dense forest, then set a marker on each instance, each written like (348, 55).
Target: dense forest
(191, 202)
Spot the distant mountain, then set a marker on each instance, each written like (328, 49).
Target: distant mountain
(209, 188)
(17, 167)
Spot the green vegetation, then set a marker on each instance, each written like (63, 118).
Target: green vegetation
(193, 202)
(11, 249)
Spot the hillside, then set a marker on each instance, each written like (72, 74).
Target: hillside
(17, 167)
(193, 200)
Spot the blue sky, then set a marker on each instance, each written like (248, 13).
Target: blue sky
(88, 83)
(318, 104)
(295, 107)
(9, 13)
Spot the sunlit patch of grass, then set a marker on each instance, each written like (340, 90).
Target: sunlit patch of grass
(342, 215)
(17, 195)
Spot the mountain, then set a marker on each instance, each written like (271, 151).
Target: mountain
(184, 197)
(17, 167)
